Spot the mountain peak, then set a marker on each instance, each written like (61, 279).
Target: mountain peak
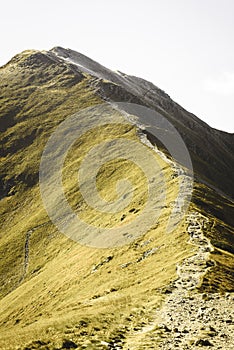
(75, 275)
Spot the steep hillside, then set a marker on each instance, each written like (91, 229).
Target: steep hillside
(59, 293)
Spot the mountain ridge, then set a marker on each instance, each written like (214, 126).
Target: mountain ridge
(145, 90)
(56, 293)
(208, 160)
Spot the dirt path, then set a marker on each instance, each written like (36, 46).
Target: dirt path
(26, 255)
(27, 251)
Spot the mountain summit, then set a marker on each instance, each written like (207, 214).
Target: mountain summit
(79, 141)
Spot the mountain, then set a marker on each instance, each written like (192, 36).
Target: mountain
(143, 287)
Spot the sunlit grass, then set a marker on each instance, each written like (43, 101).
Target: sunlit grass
(63, 295)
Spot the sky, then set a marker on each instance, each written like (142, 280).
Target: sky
(185, 47)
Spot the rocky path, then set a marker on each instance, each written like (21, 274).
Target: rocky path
(189, 320)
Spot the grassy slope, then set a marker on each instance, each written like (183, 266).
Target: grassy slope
(61, 297)
(219, 210)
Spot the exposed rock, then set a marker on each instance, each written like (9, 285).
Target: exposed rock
(69, 344)
(103, 262)
(203, 342)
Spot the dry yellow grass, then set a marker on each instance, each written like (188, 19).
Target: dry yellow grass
(61, 295)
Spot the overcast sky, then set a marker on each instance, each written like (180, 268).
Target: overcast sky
(185, 47)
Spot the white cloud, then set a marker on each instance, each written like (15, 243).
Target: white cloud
(223, 85)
